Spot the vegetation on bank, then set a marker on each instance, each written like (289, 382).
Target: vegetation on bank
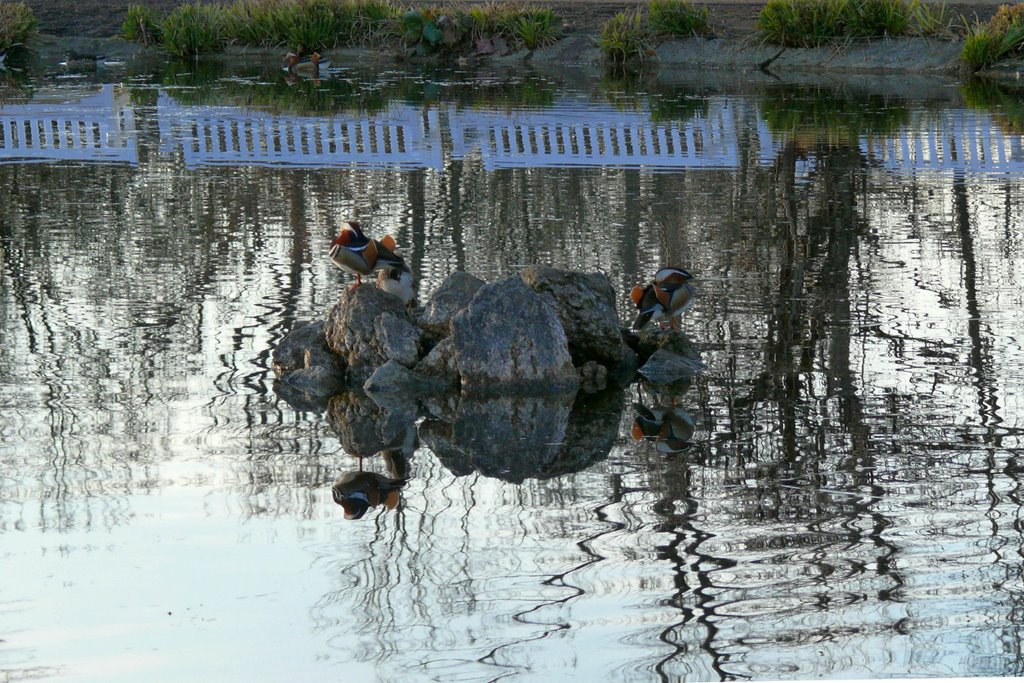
(317, 25)
(999, 38)
(809, 23)
(305, 26)
(17, 25)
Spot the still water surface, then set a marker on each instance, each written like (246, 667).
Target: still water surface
(848, 504)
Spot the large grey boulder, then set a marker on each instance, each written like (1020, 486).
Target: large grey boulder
(395, 380)
(308, 372)
(367, 328)
(510, 340)
(453, 295)
(304, 347)
(398, 339)
(651, 339)
(440, 364)
(670, 356)
(585, 303)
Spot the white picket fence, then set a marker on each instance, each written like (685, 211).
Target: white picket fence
(94, 127)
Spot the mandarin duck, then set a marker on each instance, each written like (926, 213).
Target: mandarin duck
(293, 63)
(670, 429)
(664, 299)
(354, 252)
(397, 282)
(357, 492)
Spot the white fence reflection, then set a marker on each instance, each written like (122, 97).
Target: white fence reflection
(405, 136)
(577, 135)
(401, 136)
(100, 126)
(960, 140)
(96, 127)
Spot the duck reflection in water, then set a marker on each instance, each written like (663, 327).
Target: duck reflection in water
(366, 430)
(357, 492)
(669, 429)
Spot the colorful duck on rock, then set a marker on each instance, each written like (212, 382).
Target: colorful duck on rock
(667, 298)
(355, 253)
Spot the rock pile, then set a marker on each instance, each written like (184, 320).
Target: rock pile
(543, 332)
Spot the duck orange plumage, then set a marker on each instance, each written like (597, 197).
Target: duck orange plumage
(666, 298)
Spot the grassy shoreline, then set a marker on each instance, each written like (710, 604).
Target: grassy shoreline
(474, 29)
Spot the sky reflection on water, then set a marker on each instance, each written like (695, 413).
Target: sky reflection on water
(848, 504)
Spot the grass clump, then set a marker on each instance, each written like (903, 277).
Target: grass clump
(192, 30)
(802, 23)
(257, 23)
(428, 31)
(305, 26)
(934, 19)
(983, 46)
(1006, 18)
(999, 38)
(626, 37)
(876, 18)
(809, 23)
(319, 25)
(17, 24)
(141, 24)
(530, 27)
(375, 21)
(677, 17)
(520, 25)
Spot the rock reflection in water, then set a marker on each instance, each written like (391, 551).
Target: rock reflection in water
(366, 428)
(518, 438)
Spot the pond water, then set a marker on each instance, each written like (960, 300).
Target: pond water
(842, 494)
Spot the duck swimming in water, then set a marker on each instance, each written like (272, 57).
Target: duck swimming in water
(293, 63)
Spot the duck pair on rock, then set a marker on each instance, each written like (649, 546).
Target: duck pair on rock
(667, 298)
(355, 253)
